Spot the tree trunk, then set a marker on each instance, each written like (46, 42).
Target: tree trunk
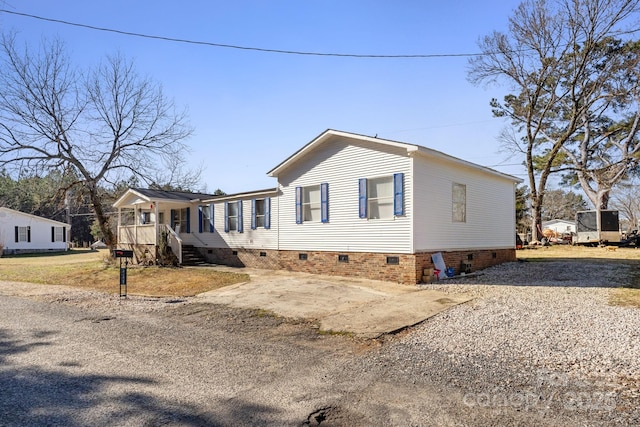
(536, 217)
(103, 221)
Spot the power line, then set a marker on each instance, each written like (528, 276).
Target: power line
(230, 46)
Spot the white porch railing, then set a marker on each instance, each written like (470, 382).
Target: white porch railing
(146, 235)
(137, 234)
(174, 241)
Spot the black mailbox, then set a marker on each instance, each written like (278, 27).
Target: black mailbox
(122, 253)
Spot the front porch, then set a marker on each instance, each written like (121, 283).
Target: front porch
(152, 221)
(146, 240)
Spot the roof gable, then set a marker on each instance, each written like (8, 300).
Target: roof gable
(326, 136)
(135, 196)
(410, 148)
(31, 216)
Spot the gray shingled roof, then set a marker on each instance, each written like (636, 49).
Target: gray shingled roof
(172, 195)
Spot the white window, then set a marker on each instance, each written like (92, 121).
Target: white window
(58, 234)
(311, 203)
(146, 217)
(459, 205)
(180, 220)
(380, 197)
(232, 216)
(260, 213)
(205, 222)
(23, 234)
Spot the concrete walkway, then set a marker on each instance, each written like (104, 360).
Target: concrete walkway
(366, 308)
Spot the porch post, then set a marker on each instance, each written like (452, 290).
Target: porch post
(156, 222)
(136, 221)
(119, 223)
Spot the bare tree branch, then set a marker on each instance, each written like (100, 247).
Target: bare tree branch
(100, 124)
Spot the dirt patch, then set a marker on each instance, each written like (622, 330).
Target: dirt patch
(249, 322)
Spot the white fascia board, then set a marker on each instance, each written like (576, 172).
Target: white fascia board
(240, 196)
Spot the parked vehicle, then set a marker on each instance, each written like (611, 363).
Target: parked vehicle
(590, 231)
(631, 239)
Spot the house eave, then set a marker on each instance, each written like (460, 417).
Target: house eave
(245, 195)
(36, 217)
(431, 153)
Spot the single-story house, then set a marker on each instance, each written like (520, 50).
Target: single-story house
(344, 204)
(25, 233)
(559, 226)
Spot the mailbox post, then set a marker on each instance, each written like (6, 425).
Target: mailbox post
(123, 253)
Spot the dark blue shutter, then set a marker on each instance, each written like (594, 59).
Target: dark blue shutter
(267, 213)
(199, 219)
(211, 228)
(398, 194)
(298, 205)
(188, 220)
(29, 234)
(324, 202)
(173, 219)
(64, 234)
(53, 234)
(240, 226)
(17, 234)
(253, 214)
(226, 217)
(362, 197)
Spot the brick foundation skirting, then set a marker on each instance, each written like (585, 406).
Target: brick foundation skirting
(240, 257)
(399, 268)
(378, 266)
(479, 259)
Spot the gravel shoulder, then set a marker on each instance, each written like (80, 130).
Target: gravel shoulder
(538, 345)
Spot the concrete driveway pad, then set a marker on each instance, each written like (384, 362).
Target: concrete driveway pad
(366, 308)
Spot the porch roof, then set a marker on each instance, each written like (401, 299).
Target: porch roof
(135, 196)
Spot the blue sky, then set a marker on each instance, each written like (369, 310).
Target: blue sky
(251, 110)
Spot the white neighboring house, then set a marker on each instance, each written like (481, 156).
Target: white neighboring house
(560, 226)
(345, 204)
(24, 233)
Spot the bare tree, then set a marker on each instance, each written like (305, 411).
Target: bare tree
(606, 147)
(560, 204)
(106, 125)
(551, 58)
(627, 202)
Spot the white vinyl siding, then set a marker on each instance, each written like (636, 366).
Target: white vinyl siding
(489, 225)
(33, 233)
(340, 163)
(260, 238)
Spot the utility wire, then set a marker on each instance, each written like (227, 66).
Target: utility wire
(230, 46)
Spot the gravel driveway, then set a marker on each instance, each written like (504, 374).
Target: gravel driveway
(544, 352)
